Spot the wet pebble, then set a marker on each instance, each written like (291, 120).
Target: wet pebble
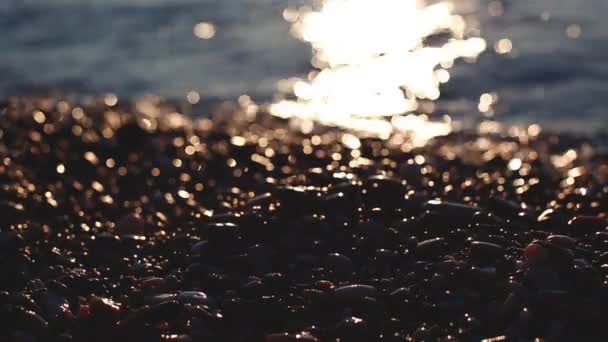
(130, 224)
(562, 240)
(587, 224)
(286, 337)
(482, 250)
(192, 297)
(431, 248)
(354, 292)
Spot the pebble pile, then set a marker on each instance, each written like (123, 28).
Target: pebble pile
(119, 225)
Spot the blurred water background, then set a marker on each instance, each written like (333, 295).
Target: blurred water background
(545, 60)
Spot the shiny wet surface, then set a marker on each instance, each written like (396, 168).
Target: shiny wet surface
(554, 73)
(152, 227)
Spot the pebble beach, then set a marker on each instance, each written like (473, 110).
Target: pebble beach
(303, 171)
(121, 225)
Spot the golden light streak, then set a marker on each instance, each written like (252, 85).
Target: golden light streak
(373, 63)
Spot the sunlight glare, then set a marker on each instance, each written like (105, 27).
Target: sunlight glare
(374, 63)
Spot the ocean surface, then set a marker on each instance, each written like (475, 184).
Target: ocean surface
(555, 71)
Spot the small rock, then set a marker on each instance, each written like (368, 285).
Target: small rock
(354, 292)
(286, 337)
(175, 338)
(160, 298)
(451, 209)
(562, 240)
(535, 253)
(152, 283)
(193, 297)
(587, 224)
(432, 247)
(383, 191)
(481, 249)
(104, 310)
(130, 224)
(341, 266)
(200, 248)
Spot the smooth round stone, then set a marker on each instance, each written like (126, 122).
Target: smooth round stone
(554, 219)
(224, 217)
(341, 265)
(447, 265)
(130, 224)
(260, 258)
(225, 232)
(260, 201)
(314, 295)
(130, 242)
(160, 298)
(482, 218)
(285, 337)
(353, 329)
(104, 309)
(377, 234)
(348, 189)
(253, 288)
(407, 226)
(503, 207)
(562, 240)
(292, 198)
(55, 306)
(412, 242)
(28, 320)
(487, 250)
(383, 182)
(383, 190)
(339, 203)
(537, 234)
(152, 283)
(431, 247)
(451, 209)
(561, 257)
(192, 297)
(325, 285)
(601, 236)
(160, 312)
(275, 281)
(587, 223)
(199, 248)
(401, 292)
(176, 338)
(106, 240)
(535, 253)
(354, 292)
(546, 215)
(384, 256)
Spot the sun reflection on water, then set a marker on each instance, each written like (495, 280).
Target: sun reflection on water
(374, 60)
